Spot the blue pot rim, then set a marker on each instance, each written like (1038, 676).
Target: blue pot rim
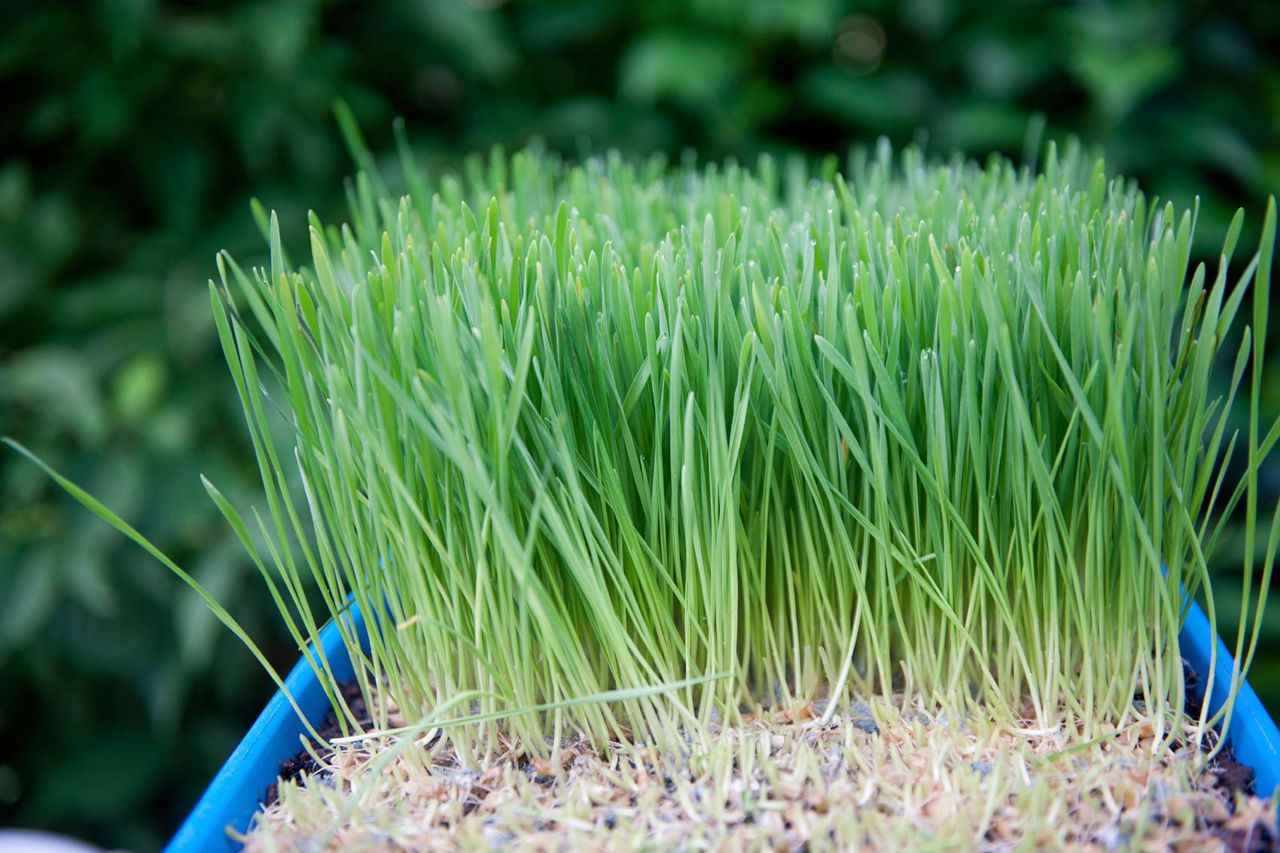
(238, 790)
(236, 793)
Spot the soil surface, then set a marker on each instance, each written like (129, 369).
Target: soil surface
(293, 769)
(1224, 811)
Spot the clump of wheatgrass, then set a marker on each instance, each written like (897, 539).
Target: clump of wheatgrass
(629, 450)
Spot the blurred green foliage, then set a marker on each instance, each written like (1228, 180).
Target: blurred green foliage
(134, 132)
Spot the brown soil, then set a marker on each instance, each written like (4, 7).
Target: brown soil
(521, 801)
(293, 769)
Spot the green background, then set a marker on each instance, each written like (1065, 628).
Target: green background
(134, 132)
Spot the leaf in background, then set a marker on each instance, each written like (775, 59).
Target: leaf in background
(1121, 55)
(468, 32)
(218, 572)
(138, 387)
(999, 67)
(688, 68)
(57, 384)
(884, 102)
(981, 125)
(809, 21)
(95, 778)
(28, 591)
(1120, 79)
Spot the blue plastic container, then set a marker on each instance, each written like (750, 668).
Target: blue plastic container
(238, 789)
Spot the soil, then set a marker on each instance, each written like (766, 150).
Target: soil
(1226, 781)
(293, 769)
(1234, 776)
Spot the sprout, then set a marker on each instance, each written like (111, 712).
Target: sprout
(758, 435)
